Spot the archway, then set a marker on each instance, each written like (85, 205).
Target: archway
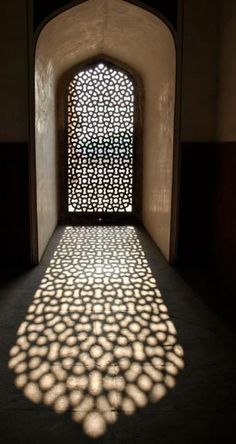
(140, 40)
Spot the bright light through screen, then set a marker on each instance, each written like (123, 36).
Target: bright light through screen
(100, 140)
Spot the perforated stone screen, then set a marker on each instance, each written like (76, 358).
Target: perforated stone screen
(100, 140)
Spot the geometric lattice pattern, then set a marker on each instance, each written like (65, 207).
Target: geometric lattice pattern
(97, 339)
(100, 140)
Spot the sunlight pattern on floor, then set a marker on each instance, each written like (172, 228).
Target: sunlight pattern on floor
(97, 339)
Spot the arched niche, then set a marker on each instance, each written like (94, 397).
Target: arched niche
(143, 42)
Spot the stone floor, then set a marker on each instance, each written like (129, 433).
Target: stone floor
(105, 342)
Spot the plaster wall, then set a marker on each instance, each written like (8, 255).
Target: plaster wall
(199, 70)
(46, 149)
(14, 173)
(140, 40)
(226, 121)
(13, 73)
(225, 209)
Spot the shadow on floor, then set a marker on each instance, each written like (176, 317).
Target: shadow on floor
(91, 347)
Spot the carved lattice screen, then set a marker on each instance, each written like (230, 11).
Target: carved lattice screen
(100, 140)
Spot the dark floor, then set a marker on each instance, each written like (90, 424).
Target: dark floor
(105, 342)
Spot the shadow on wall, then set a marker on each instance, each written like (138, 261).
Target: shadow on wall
(14, 195)
(97, 339)
(197, 204)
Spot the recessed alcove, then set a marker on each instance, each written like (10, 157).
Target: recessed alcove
(139, 40)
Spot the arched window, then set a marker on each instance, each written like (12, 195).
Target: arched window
(100, 140)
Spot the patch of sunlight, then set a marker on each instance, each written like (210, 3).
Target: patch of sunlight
(97, 339)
